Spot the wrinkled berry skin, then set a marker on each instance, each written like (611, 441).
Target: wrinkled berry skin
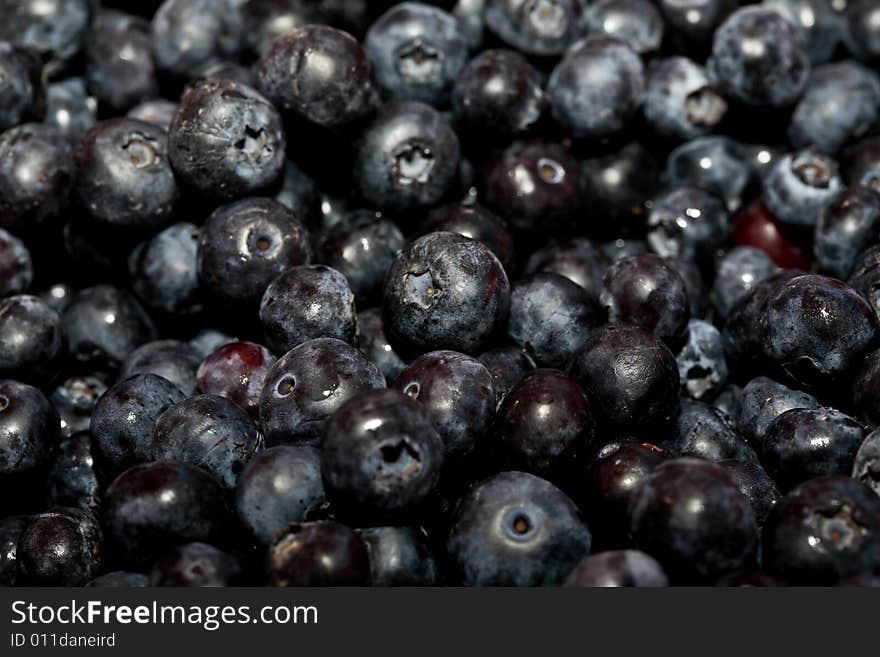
(150, 508)
(16, 266)
(515, 529)
(544, 425)
(498, 91)
(458, 394)
(690, 516)
(806, 443)
(361, 247)
(246, 244)
(208, 431)
(687, 224)
(399, 556)
(171, 359)
(196, 564)
(646, 291)
(753, 482)
(318, 554)
(617, 568)
(474, 221)
(759, 59)
(226, 140)
(30, 337)
(74, 480)
(123, 177)
(799, 185)
(702, 431)
(597, 87)
(840, 105)
(75, 400)
(417, 51)
(543, 28)
(56, 29)
(120, 68)
(28, 427)
(680, 101)
(22, 89)
(823, 531)
(577, 259)
(816, 329)
(119, 579)
(307, 385)
(406, 158)
(236, 371)
(124, 418)
(846, 227)
(629, 375)
(307, 302)
(739, 272)
(164, 273)
(102, 325)
(40, 156)
(550, 317)
(866, 467)
(763, 400)
(294, 75)
(445, 291)
(702, 367)
(373, 343)
(278, 486)
(191, 35)
(60, 547)
(10, 530)
(380, 457)
(535, 186)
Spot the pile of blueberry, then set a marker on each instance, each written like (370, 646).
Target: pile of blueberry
(486, 292)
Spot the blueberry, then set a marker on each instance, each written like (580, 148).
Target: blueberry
(226, 140)
(16, 265)
(445, 291)
(508, 366)
(196, 564)
(381, 457)
(846, 227)
(597, 87)
(157, 111)
(473, 221)
(714, 164)
(60, 547)
(22, 88)
(11, 528)
(36, 167)
(28, 428)
(74, 479)
(544, 425)
(818, 23)
(516, 529)
(866, 387)
(865, 276)
(644, 290)
(622, 185)
(150, 508)
(164, 273)
(534, 186)
(702, 431)
(406, 158)
(536, 27)
(800, 185)
(629, 375)
(866, 467)
(307, 385)
(278, 486)
(30, 337)
(399, 556)
(246, 244)
(265, 20)
(754, 226)
(861, 34)
(120, 68)
(56, 29)
(729, 401)
(120, 579)
(75, 399)
(299, 193)
(500, 92)
(458, 394)
(191, 35)
(738, 273)
(124, 418)
(759, 58)
(58, 296)
(318, 554)
(318, 73)
(417, 50)
(102, 325)
(815, 329)
(823, 531)
(702, 366)
(861, 163)
(173, 360)
(236, 371)
(576, 259)
(550, 316)
(637, 22)
(361, 248)
(764, 400)
(690, 516)
(839, 106)
(208, 340)
(681, 101)
(374, 343)
(617, 568)
(687, 223)
(753, 482)
(694, 20)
